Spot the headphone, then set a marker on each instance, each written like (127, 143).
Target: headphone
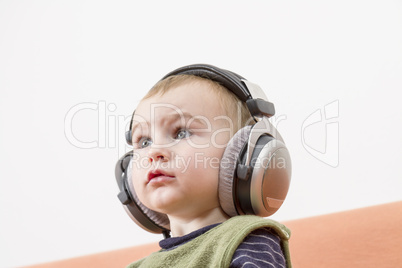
(255, 169)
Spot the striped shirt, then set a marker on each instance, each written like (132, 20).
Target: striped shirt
(261, 248)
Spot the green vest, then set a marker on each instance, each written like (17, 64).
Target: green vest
(216, 247)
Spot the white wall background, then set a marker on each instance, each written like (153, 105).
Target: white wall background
(58, 199)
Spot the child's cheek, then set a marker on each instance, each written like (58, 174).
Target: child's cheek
(220, 138)
(198, 141)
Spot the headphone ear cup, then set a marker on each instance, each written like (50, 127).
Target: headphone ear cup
(266, 186)
(156, 217)
(227, 170)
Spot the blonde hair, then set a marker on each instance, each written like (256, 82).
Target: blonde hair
(233, 107)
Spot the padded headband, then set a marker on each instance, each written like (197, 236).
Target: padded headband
(226, 78)
(246, 91)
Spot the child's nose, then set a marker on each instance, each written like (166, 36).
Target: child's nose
(161, 148)
(158, 153)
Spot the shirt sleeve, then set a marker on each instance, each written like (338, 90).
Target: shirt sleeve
(261, 248)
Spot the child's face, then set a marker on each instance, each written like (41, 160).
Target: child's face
(179, 139)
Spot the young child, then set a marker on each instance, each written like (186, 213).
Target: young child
(179, 132)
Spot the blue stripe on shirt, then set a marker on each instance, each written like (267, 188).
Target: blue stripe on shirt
(261, 248)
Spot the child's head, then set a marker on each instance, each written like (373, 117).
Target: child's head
(192, 156)
(180, 131)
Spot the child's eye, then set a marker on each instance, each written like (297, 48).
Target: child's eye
(144, 142)
(182, 134)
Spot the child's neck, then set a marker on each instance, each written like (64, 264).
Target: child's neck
(180, 225)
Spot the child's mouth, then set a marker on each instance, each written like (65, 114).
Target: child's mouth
(158, 175)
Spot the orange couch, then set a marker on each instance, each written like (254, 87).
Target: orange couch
(365, 237)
